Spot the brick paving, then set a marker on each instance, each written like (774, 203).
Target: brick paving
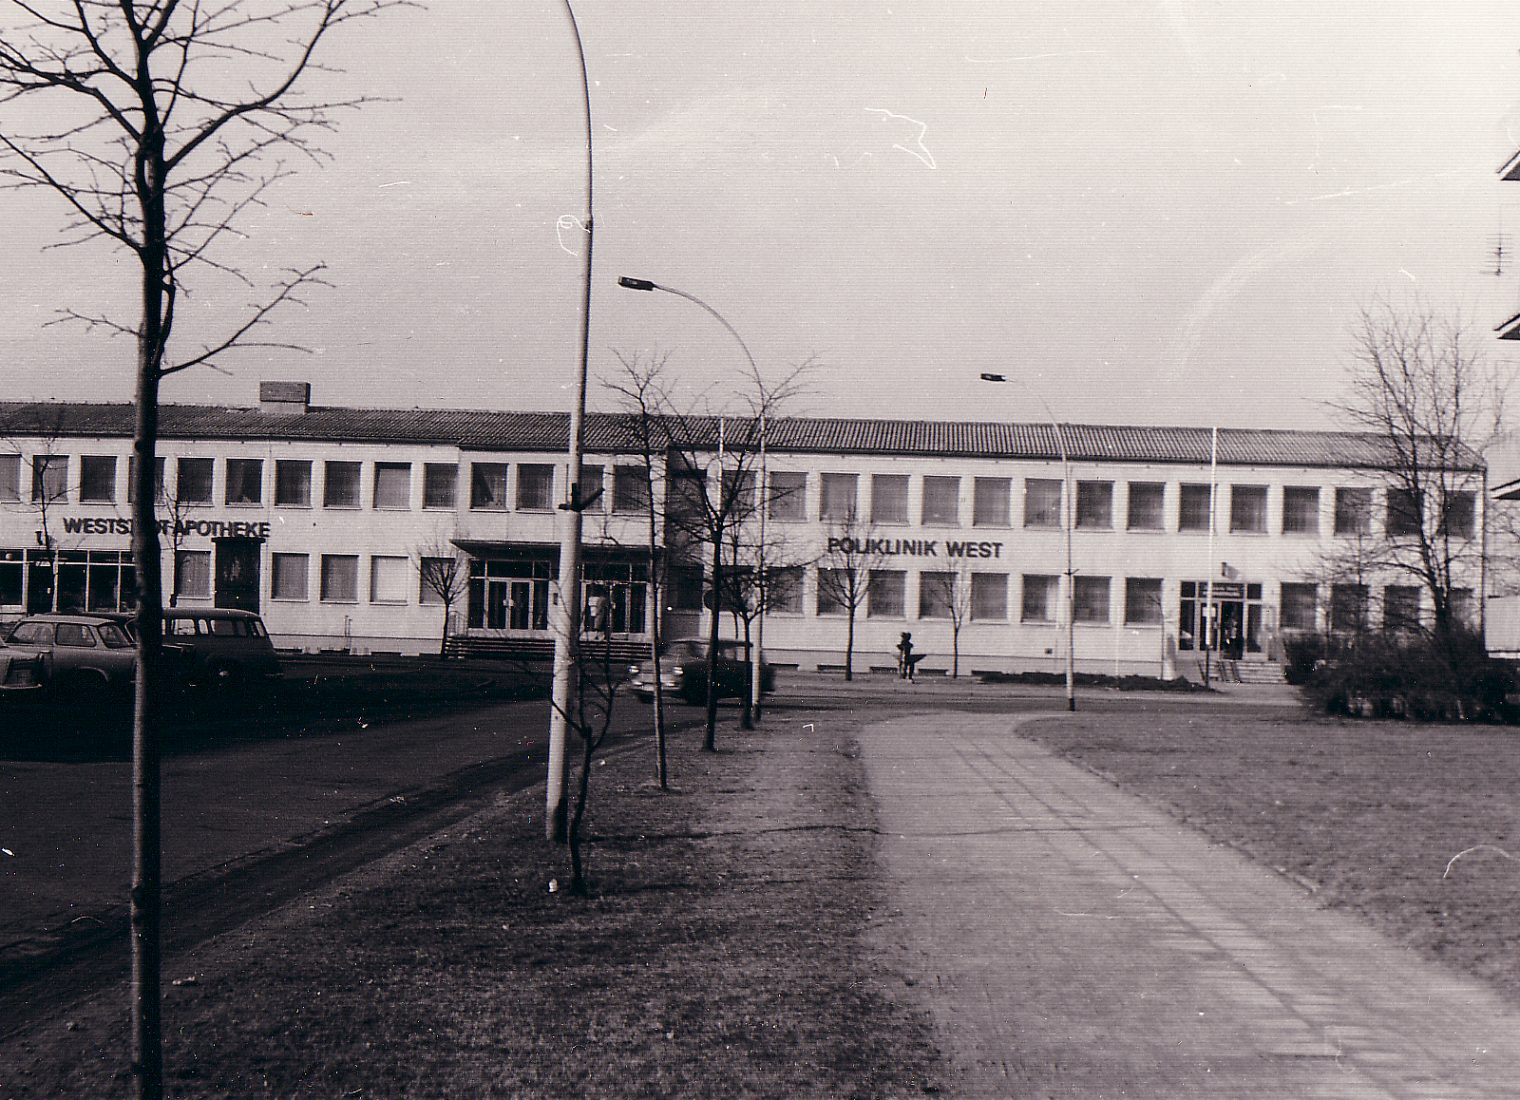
(1074, 941)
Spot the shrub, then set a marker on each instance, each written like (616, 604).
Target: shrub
(1402, 676)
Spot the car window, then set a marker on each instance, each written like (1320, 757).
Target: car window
(224, 628)
(114, 636)
(33, 633)
(75, 635)
(256, 629)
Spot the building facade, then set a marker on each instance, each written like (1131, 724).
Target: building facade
(321, 519)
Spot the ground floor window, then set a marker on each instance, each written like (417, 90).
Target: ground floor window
(1090, 600)
(96, 580)
(1039, 603)
(885, 598)
(288, 576)
(989, 597)
(617, 597)
(192, 574)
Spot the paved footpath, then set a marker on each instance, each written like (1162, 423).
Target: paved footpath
(1073, 941)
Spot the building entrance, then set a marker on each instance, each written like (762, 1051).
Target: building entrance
(1235, 627)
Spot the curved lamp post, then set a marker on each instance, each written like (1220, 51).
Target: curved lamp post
(1068, 506)
(630, 283)
(568, 613)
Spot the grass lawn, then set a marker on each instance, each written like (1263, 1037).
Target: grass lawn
(1373, 813)
(729, 952)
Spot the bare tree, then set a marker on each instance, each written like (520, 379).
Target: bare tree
(154, 123)
(947, 595)
(444, 572)
(1422, 386)
(850, 556)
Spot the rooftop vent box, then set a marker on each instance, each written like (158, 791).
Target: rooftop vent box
(284, 397)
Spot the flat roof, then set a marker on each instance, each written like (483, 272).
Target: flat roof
(616, 433)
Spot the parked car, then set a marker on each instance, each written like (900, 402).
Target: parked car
(683, 671)
(221, 647)
(87, 653)
(20, 670)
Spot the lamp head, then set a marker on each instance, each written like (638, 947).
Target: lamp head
(631, 283)
(993, 377)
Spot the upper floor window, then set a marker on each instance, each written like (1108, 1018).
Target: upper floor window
(393, 485)
(1461, 517)
(1248, 509)
(1300, 510)
(158, 478)
(838, 497)
(1405, 508)
(440, 484)
(1095, 504)
(97, 479)
(292, 483)
(245, 481)
(488, 486)
(738, 493)
(1353, 511)
(989, 505)
(1196, 509)
(630, 489)
(1147, 506)
(50, 478)
(1042, 502)
(942, 501)
(889, 498)
(192, 481)
(340, 485)
(10, 477)
(788, 495)
(592, 498)
(535, 487)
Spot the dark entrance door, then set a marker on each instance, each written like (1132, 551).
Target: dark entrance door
(237, 574)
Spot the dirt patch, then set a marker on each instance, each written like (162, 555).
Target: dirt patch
(725, 953)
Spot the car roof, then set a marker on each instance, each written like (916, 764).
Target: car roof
(68, 617)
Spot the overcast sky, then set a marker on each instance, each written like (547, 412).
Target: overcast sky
(1151, 213)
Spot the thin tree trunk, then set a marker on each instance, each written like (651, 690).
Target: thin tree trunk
(710, 743)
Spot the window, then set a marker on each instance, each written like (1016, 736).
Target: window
(389, 579)
(158, 478)
(1039, 599)
(10, 477)
(488, 486)
(1147, 506)
(76, 636)
(288, 576)
(1353, 511)
(592, 498)
(1095, 504)
(884, 596)
(989, 597)
(685, 588)
(936, 594)
(784, 590)
(192, 481)
(833, 591)
(630, 489)
(192, 574)
(738, 492)
(340, 578)
(1042, 502)
(340, 485)
(1404, 510)
(535, 488)
(393, 485)
(1300, 510)
(1195, 509)
(50, 478)
(97, 479)
(435, 574)
(989, 502)
(1300, 606)
(245, 481)
(1401, 608)
(1142, 601)
(788, 495)
(1090, 598)
(1463, 608)
(292, 483)
(1348, 607)
(440, 484)
(838, 497)
(1248, 509)
(1461, 515)
(942, 501)
(889, 498)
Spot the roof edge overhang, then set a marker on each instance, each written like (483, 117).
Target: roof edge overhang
(1511, 169)
(1509, 330)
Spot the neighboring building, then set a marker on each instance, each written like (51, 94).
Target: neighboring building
(316, 517)
(1502, 625)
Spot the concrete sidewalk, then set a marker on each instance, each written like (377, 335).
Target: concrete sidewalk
(1073, 941)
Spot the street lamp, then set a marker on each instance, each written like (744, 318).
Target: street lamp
(1068, 505)
(630, 283)
(568, 618)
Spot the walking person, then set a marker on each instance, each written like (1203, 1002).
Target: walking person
(905, 656)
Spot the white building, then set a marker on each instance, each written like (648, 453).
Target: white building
(317, 518)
